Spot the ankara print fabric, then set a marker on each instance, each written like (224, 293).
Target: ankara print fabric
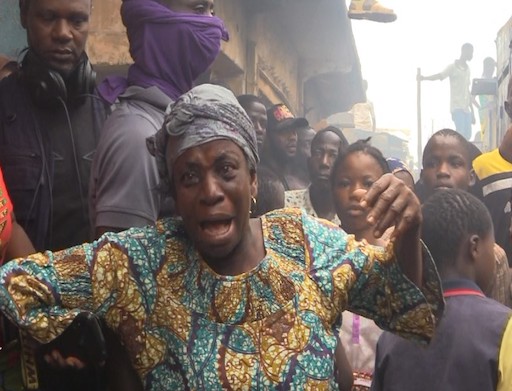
(186, 327)
(302, 199)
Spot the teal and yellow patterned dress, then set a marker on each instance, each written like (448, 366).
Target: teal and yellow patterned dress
(185, 327)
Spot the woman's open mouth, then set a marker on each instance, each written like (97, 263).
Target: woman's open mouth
(216, 228)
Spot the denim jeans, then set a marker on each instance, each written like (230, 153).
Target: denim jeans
(462, 120)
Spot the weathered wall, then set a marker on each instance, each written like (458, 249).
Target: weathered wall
(259, 57)
(233, 14)
(277, 60)
(107, 42)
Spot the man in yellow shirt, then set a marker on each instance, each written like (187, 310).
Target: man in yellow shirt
(494, 171)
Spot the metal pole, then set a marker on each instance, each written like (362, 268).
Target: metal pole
(418, 111)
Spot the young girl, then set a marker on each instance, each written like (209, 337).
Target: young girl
(354, 172)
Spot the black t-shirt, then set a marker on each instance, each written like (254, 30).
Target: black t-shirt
(73, 144)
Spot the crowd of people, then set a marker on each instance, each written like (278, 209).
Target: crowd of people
(161, 235)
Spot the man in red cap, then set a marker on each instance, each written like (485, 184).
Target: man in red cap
(280, 144)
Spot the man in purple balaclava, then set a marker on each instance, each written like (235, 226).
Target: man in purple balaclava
(172, 42)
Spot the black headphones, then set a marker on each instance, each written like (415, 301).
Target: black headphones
(48, 87)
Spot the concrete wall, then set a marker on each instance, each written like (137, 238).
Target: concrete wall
(278, 62)
(234, 16)
(12, 35)
(107, 42)
(504, 73)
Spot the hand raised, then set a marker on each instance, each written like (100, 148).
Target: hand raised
(57, 360)
(392, 203)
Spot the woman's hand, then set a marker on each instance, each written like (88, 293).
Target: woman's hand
(57, 360)
(392, 203)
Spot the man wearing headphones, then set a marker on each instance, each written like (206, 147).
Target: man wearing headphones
(50, 120)
(49, 124)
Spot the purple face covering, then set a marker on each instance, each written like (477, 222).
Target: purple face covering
(170, 50)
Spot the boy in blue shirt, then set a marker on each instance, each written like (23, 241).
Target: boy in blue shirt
(472, 348)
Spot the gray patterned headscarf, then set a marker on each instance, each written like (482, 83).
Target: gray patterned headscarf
(206, 113)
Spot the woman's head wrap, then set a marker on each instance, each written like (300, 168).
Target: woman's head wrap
(206, 113)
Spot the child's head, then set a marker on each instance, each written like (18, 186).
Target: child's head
(447, 162)
(458, 231)
(270, 192)
(354, 172)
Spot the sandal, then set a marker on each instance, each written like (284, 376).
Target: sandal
(370, 10)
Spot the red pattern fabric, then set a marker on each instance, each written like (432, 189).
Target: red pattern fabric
(5, 217)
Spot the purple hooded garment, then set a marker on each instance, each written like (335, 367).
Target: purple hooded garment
(170, 50)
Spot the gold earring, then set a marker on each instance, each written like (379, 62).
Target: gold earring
(252, 208)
